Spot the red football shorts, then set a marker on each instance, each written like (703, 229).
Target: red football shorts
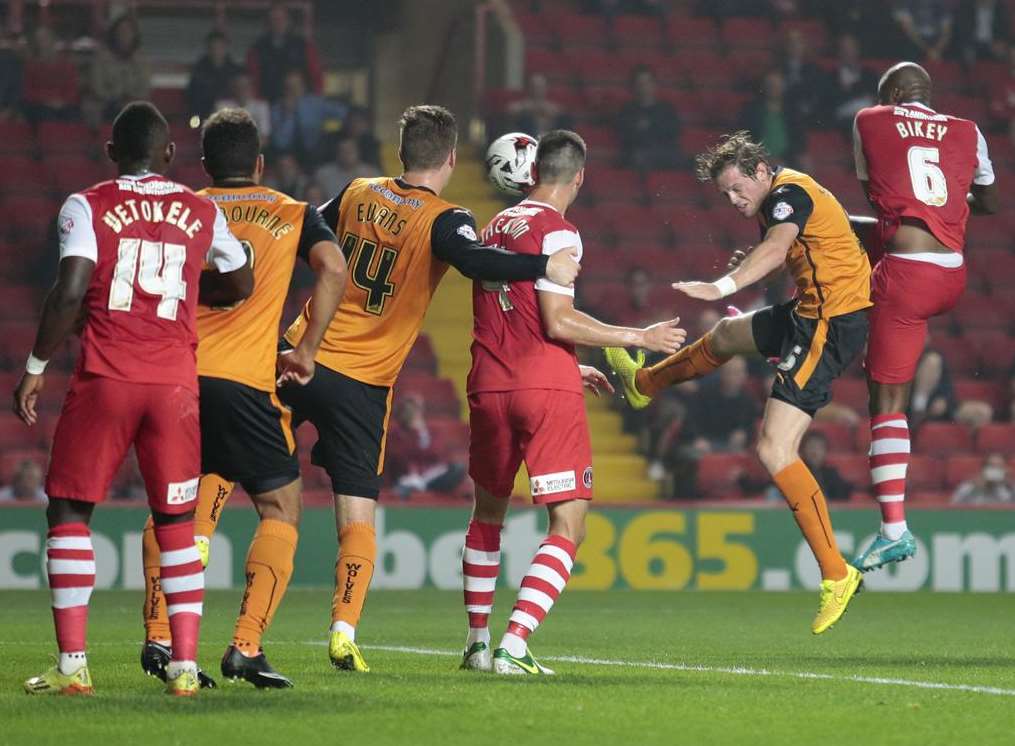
(906, 293)
(545, 428)
(102, 418)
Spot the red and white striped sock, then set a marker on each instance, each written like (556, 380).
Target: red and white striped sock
(70, 565)
(540, 588)
(889, 460)
(480, 568)
(183, 586)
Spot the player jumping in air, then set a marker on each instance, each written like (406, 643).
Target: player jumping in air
(245, 431)
(526, 404)
(399, 237)
(132, 251)
(816, 335)
(922, 171)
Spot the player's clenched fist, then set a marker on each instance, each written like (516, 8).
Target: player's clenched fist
(562, 267)
(663, 337)
(294, 366)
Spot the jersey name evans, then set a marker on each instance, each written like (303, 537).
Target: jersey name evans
(381, 216)
(128, 211)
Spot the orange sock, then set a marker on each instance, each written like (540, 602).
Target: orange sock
(690, 363)
(269, 568)
(353, 571)
(807, 501)
(212, 494)
(156, 619)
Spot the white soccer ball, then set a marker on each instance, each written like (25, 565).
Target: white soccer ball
(509, 161)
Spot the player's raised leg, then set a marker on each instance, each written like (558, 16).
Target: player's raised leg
(730, 336)
(212, 493)
(541, 587)
(480, 568)
(70, 566)
(268, 570)
(778, 449)
(354, 568)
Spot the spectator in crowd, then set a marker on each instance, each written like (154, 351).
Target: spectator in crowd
(924, 27)
(933, 396)
(638, 290)
(314, 195)
(277, 51)
(212, 76)
(804, 80)
(51, 88)
(332, 177)
(11, 75)
(242, 96)
(864, 20)
(357, 126)
(286, 175)
(814, 453)
(536, 114)
(772, 120)
(298, 119)
(119, 73)
(851, 86)
(414, 460)
(648, 128)
(982, 30)
(722, 416)
(26, 485)
(991, 485)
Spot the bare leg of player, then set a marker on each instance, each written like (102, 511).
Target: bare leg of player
(541, 586)
(480, 568)
(782, 429)
(268, 570)
(357, 551)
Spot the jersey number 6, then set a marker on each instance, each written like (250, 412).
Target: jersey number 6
(359, 254)
(929, 184)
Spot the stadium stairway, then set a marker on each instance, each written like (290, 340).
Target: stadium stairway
(620, 471)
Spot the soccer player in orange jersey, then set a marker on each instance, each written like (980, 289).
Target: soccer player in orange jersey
(246, 435)
(399, 237)
(816, 335)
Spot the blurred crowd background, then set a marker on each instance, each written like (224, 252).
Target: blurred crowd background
(648, 83)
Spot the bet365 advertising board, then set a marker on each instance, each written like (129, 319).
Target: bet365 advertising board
(657, 549)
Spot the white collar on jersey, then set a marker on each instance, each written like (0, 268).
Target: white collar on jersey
(137, 177)
(541, 204)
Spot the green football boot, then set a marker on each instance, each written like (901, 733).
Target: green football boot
(626, 367)
(505, 663)
(477, 658)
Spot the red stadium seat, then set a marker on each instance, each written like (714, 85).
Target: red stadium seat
(978, 390)
(601, 66)
(582, 32)
(11, 459)
(74, 174)
(943, 439)
(673, 187)
(614, 185)
(172, 102)
(750, 64)
(633, 223)
(960, 468)
(682, 32)
(841, 437)
(960, 354)
(421, 357)
(23, 175)
(705, 69)
(718, 474)
(538, 29)
(995, 350)
(557, 67)
(996, 438)
(20, 302)
(438, 393)
(16, 138)
(814, 33)
(852, 393)
(852, 467)
(746, 33)
(636, 31)
(982, 312)
(66, 137)
(925, 473)
(30, 218)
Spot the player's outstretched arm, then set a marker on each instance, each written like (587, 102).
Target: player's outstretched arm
(765, 258)
(564, 323)
(59, 318)
(328, 263)
(454, 240)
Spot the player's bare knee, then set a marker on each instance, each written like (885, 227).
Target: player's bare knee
(280, 505)
(720, 340)
(774, 454)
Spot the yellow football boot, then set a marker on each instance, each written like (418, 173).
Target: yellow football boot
(55, 682)
(345, 655)
(835, 597)
(203, 544)
(184, 684)
(626, 367)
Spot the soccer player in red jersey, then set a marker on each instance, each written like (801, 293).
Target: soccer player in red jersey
(525, 403)
(132, 257)
(923, 172)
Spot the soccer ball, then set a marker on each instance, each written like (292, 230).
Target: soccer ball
(509, 161)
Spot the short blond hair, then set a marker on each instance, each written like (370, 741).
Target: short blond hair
(737, 149)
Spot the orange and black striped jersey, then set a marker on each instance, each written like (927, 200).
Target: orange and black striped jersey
(240, 343)
(828, 264)
(398, 240)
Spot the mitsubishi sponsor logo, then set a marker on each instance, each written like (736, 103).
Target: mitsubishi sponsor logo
(549, 484)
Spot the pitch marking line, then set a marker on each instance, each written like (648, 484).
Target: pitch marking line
(732, 670)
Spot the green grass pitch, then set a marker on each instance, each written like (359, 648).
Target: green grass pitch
(634, 668)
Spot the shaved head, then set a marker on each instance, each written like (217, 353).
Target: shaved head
(906, 81)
